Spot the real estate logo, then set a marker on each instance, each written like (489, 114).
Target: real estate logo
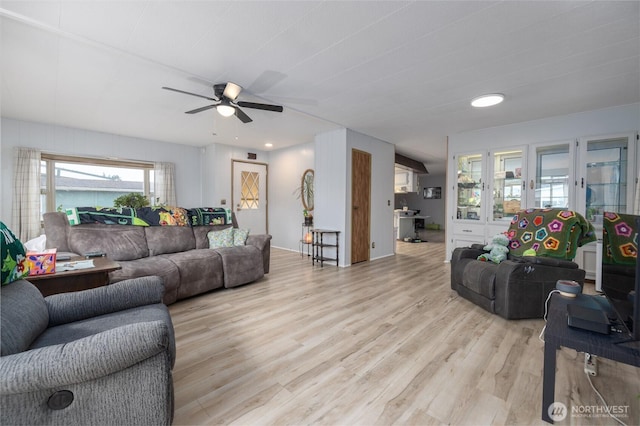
(557, 411)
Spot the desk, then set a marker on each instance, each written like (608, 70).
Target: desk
(558, 334)
(82, 279)
(407, 224)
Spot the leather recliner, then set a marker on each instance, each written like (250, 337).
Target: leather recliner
(516, 288)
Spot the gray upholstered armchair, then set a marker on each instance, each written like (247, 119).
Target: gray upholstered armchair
(99, 356)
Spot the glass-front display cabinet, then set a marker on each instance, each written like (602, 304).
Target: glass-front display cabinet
(606, 176)
(508, 185)
(469, 186)
(551, 169)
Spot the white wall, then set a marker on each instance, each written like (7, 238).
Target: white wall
(216, 172)
(333, 189)
(591, 123)
(382, 182)
(286, 167)
(330, 192)
(71, 141)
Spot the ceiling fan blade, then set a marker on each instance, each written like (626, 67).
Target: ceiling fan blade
(266, 107)
(231, 91)
(189, 93)
(204, 108)
(242, 116)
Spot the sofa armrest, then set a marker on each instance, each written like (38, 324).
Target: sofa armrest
(263, 243)
(84, 359)
(460, 257)
(76, 306)
(521, 288)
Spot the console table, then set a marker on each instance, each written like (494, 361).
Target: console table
(319, 245)
(558, 333)
(81, 279)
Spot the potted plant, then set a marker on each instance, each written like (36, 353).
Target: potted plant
(308, 218)
(134, 200)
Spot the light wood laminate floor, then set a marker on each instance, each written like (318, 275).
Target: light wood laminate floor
(379, 343)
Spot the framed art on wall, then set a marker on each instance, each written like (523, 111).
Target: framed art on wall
(433, 192)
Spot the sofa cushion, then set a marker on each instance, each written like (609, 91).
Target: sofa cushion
(240, 236)
(200, 271)
(241, 265)
(154, 265)
(24, 316)
(200, 233)
(222, 238)
(119, 242)
(169, 239)
(480, 277)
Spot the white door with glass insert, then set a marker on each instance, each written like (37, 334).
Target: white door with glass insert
(249, 195)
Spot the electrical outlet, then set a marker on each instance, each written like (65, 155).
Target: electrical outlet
(223, 202)
(590, 364)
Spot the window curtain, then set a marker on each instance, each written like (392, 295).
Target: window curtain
(164, 184)
(26, 193)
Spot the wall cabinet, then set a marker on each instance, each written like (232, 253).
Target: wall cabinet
(406, 180)
(590, 175)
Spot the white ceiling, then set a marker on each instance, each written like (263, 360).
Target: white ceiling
(403, 72)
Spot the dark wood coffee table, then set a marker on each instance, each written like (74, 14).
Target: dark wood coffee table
(82, 279)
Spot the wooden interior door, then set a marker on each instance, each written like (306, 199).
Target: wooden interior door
(360, 205)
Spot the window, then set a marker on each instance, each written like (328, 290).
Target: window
(67, 181)
(250, 194)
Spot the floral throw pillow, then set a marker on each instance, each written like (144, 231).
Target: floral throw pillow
(222, 238)
(240, 236)
(14, 259)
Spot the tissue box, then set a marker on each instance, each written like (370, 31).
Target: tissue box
(41, 262)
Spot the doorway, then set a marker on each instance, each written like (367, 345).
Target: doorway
(360, 205)
(249, 195)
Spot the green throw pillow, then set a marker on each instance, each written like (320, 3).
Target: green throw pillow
(14, 259)
(222, 238)
(240, 236)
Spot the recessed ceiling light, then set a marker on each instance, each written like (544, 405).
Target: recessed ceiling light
(487, 100)
(268, 144)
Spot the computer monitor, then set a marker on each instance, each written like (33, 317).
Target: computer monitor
(621, 269)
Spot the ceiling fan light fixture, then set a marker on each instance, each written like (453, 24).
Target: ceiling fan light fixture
(232, 91)
(488, 100)
(225, 110)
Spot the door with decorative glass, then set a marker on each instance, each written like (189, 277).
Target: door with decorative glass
(249, 195)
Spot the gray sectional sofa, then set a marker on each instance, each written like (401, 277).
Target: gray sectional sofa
(179, 254)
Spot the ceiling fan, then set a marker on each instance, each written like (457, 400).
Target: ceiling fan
(225, 102)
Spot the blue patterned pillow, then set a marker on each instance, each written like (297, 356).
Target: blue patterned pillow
(14, 259)
(222, 238)
(240, 236)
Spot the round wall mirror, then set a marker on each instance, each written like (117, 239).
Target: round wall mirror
(306, 190)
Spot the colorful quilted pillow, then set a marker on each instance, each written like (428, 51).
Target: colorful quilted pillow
(222, 238)
(619, 239)
(14, 260)
(240, 236)
(550, 232)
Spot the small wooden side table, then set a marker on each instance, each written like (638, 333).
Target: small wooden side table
(82, 279)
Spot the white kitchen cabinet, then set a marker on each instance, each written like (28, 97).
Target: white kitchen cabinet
(406, 180)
